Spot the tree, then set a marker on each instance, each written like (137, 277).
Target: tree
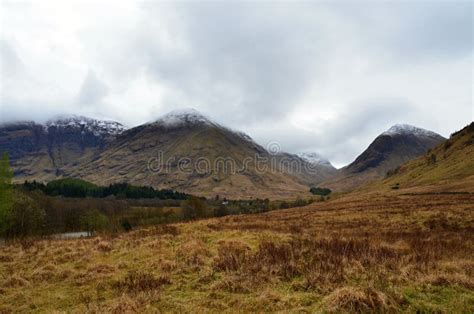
(221, 211)
(26, 217)
(320, 191)
(93, 220)
(6, 200)
(193, 208)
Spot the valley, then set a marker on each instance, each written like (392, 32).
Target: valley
(401, 244)
(357, 253)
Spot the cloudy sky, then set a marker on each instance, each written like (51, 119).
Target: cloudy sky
(324, 77)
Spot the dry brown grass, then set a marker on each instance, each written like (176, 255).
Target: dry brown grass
(354, 299)
(358, 253)
(138, 281)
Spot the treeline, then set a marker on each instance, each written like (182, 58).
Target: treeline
(320, 191)
(32, 213)
(69, 187)
(34, 209)
(194, 208)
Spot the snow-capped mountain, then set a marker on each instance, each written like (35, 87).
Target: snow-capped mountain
(192, 117)
(315, 159)
(406, 129)
(180, 117)
(56, 145)
(389, 150)
(95, 126)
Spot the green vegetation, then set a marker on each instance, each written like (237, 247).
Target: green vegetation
(69, 187)
(320, 191)
(6, 175)
(451, 160)
(72, 205)
(193, 208)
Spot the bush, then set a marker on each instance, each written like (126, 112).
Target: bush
(320, 191)
(193, 208)
(136, 282)
(93, 221)
(126, 225)
(431, 159)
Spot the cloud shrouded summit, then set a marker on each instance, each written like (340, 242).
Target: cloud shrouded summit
(314, 76)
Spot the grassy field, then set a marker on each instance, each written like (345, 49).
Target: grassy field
(365, 252)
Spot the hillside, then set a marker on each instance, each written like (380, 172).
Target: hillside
(188, 152)
(447, 167)
(389, 150)
(45, 151)
(196, 155)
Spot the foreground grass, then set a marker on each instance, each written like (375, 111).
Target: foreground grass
(357, 253)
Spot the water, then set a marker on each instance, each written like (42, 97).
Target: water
(72, 235)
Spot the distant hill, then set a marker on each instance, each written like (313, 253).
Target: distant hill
(189, 152)
(46, 151)
(389, 150)
(447, 167)
(106, 152)
(195, 149)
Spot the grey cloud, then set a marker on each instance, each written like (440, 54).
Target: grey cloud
(344, 138)
(253, 65)
(10, 63)
(92, 90)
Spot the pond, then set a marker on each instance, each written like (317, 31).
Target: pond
(72, 235)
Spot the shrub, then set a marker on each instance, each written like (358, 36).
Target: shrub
(126, 225)
(93, 221)
(231, 255)
(357, 300)
(320, 191)
(193, 208)
(138, 281)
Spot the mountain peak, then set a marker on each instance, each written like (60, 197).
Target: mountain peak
(93, 125)
(315, 158)
(406, 129)
(184, 116)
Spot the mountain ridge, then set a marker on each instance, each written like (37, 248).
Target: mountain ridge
(390, 149)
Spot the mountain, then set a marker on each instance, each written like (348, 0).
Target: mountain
(187, 151)
(316, 159)
(447, 167)
(389, 150)
(44, 151)
(307, 170)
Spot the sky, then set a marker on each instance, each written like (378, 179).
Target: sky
(324, 77)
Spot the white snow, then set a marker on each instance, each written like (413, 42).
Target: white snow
(184, 116)
(314, 158)
(405, 129)
(97, 127)
(190, 116)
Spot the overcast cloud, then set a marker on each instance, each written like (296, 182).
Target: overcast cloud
(324, 77)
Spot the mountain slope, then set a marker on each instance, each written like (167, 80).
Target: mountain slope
(187, 151)
(448, 166)
(42, 152)
(307, 168)
(389, 150)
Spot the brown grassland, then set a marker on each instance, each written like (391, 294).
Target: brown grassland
(383, 252)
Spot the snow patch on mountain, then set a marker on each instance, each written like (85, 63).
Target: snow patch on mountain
(187, 116)
(315, 159)
(406, 129)
(97, 127)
